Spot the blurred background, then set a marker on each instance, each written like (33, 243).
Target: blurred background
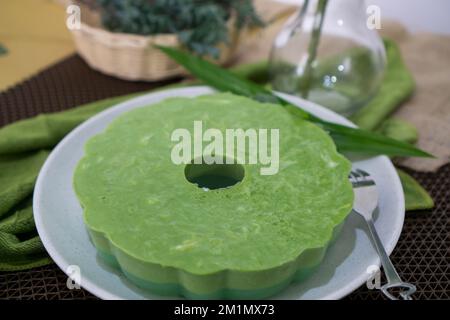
(34, 32)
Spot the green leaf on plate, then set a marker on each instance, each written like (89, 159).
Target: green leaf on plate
(346, 139)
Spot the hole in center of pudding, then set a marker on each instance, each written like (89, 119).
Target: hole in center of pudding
(216, 175)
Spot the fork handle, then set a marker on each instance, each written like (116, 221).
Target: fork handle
(392, 276)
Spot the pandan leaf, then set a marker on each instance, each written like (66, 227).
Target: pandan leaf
(346, 139)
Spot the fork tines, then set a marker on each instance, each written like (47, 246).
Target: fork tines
(360, 177)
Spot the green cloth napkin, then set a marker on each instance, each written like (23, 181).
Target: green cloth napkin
(416, 197)
(399, 129)
(20, 247)
(398, 85)
(24, 146)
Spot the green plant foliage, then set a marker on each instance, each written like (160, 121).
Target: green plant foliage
(3, 50)
(200, 25)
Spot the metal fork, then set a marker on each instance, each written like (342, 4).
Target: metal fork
(366, 201)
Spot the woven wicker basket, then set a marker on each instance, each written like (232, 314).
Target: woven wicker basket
(132, 57)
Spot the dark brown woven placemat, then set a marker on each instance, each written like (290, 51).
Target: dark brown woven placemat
(421, 256)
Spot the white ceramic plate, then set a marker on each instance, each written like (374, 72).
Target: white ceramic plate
(58, 216)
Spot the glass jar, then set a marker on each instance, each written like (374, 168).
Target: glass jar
(328, 54)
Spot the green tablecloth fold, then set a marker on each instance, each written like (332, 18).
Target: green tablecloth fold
(416, 197)
(398, 85)
(25, 144)
(20, 246)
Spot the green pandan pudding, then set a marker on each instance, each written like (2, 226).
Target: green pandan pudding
(152, 219)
